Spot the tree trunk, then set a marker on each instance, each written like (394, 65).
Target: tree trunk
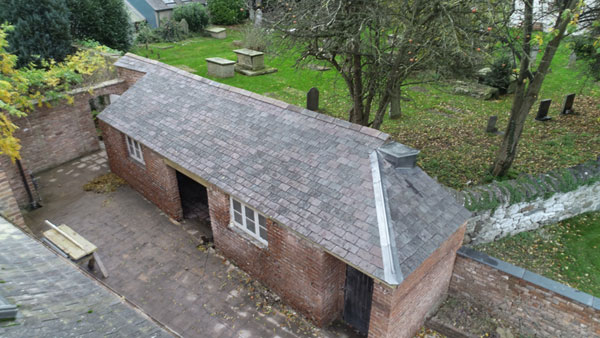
(526, 95)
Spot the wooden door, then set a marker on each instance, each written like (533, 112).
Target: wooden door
(357, 299)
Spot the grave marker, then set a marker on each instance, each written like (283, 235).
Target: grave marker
(491, 125)
(542, 114)
(568, 104)
(312, 99)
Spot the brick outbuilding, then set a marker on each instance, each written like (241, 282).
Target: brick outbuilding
(334, 217)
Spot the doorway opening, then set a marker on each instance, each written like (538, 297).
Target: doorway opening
(357, 300)
(194, 203)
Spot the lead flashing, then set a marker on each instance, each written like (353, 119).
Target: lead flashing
(391, 270)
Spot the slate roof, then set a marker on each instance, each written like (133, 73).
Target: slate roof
(423, 214)
(55, 299)
(158, 5)
(309, 172)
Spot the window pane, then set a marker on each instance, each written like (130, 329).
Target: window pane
(237, 206)
(263, 233)
(238, 217)
(262, 221)
(249, 214)
(250, 225)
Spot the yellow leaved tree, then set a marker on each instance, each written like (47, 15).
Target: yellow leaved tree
(22, 89)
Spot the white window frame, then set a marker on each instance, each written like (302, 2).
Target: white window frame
(244, 224)
(135, 149)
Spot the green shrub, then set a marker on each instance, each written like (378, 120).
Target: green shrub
(170, 31)
(586, 47)
(227, 12)
(146, 35)
(105, 21)
(500, 75)
(41, 30)
(194, 14)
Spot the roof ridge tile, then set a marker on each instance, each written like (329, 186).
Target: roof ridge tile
(328, 119)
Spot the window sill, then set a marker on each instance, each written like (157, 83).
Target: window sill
(247, 236)
(137, 162)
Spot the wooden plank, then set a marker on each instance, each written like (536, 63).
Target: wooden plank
(100, 265)
(74, 251)
(187, 173)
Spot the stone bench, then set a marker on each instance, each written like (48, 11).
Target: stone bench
(219, 67)
(217, 32)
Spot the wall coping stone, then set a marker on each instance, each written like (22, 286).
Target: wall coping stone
(531, 277)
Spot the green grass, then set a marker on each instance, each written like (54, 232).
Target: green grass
(568, 252)
(448, 129)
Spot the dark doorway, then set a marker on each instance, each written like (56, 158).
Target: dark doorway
(357, 300)
(194, 203)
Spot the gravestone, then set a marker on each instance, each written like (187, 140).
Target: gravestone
(258, 17)
(535, 49)
(568, 104)
(219, 67)
(491, 125)
(396, 106)
(542, 114)
(572, 60)
(312, 99)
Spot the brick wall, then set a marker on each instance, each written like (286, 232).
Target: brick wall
(306, 277)
(129, 76)
(8, 204)
(54, 135)
(154, 179)
(526, 305)
(401, 311)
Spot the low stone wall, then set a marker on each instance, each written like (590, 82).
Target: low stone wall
(532, 303)
(506, 208)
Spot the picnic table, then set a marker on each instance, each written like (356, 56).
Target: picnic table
(74, 246)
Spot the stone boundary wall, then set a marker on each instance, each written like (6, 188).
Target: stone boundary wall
(506, 208)
(532, 303)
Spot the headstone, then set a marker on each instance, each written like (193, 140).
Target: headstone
(535, 49)
(258, 18)
(312, 99)
(184, 26)
(491, 125)
(572, 60)
(396, 106)
(538, 26)
(542, 114)
(568, 104)
(252, 14)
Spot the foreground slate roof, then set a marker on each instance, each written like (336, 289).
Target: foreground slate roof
(55, 299)
(310, 172)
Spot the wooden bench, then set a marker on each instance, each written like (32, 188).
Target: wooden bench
(77, 248)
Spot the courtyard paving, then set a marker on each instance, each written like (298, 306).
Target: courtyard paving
(161, 265)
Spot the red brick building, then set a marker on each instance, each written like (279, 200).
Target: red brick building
(334, 217)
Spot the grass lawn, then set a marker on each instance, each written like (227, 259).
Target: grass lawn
(568, 252)
(448, 129)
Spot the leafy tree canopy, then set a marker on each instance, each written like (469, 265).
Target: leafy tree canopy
(41, 29)
(24, 88)
(105, 21)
